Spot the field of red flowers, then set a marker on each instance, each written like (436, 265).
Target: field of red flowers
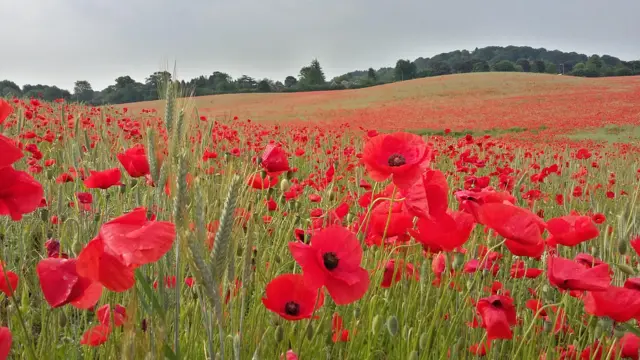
(185, 233)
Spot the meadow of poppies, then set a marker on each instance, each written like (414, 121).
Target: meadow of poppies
(126, 234)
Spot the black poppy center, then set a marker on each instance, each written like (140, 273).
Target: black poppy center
(330, 260)
(292, 308)
(496, 303)
(396, 160)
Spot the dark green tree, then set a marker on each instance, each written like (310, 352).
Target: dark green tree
(371, 75)
(264, 86)
(405, 70)
(481, 66)
(82, 91)
(504, 66)
(312, 75)
(524, 64)
(539, 66)
(290, 81)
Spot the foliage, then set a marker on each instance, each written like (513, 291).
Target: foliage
(312, 77)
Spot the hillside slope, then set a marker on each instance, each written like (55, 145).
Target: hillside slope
(465, 101)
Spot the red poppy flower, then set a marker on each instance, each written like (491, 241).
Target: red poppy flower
(8, 287)
(528, 250)
(429, 196)
(292, 298)
(635, 244)
(572, 230)
(10, 153)
(339, 334)
(333, 260)
(19, 193)
(96, 335)
(105, 315)
(395, 270)
(100, 264)
(566, 274)
(5, 110)
(135, 161)
(103, 179)
(61, 284)
(498, 316)
(5, 338)
(403, 156)
(274, 160)
(618, 303)
(137, 240)
(257, 182)
(519, 270)
(630, 346)
(122, 244)
(390, 219)
(512, 222)
(446, 231)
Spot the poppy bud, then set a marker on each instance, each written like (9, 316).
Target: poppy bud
(422, 344)
(413, 355)
(44, 215)
(62, 319)
(626, 269)
(458, 261)
(263, 174)
(392, 325)
(309, 332)
(375, 325)
(622, 247)
(279, 334)
(618, 332)
(236, 344)
(285, 185)
(77, 247)
(289, 175)
(332, 195)
(239, 250)
(277, 259)
(548, 326)
(143, 325)
(123, 189)
(356, 312)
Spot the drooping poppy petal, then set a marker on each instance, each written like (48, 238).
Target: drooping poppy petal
(618, 303)
(5, 110)
(135, 240)
(135, 161)
(103, 179)
(5, 340)
(445, 231)
(8, 281)
(566, 274)
(19, 193)
(61, 284)
(274, 160)
(428, 196)
(9, 152)
(95, 262)
(96, 335)
(512, 222)
(572, 230)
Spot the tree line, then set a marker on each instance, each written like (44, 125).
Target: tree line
(312, 77)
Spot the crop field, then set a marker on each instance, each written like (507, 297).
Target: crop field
(468, 216)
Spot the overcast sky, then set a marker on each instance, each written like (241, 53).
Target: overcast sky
(56, 42)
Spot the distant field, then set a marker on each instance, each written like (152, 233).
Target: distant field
(484, 101)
